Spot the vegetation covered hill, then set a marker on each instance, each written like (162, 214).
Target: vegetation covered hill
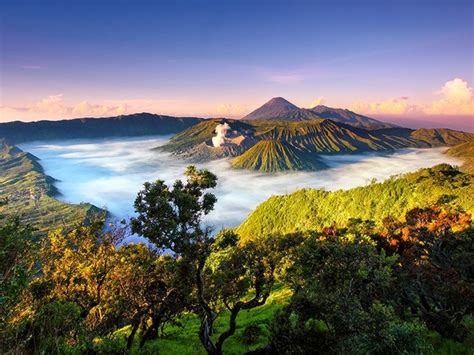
(360, 286)
(273, 156)
(310, 209)
(28, 193)
(139, 124)
(307, 138)
(439, 137)
(465, 152)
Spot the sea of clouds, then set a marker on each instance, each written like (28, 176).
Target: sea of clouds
(109, 172)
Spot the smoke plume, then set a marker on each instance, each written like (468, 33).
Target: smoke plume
(221, 132)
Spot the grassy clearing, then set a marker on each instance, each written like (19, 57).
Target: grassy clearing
(184, 340)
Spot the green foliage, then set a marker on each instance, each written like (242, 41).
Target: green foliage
(251, 334)
(435, 247)
(226, 274)
(25, 191)
(311, 209)
(171, 218)
(373, 284)
(57, 329)
(465, 152)
(17, 248)
(342, 301)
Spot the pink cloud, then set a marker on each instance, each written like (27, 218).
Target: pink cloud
(456, 99)
(54, 106)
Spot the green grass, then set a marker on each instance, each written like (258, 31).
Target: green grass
(184, 340)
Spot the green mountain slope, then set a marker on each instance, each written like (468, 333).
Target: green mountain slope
(29, 193)
(310, 209)
(301, 140)
(439, 137)
(203, 132)
(273, 156)
(326, 136)
(465, 152)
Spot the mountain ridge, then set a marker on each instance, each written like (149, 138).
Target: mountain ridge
(279, 108)
(139, 124)
(30, 194)
(300, 140)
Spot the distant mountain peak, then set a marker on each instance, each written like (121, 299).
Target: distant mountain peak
(279, 108)
(320, 107)
(280, 102)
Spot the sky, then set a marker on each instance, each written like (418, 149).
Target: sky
(404, 61)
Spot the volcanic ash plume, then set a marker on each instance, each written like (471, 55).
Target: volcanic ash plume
(221, 132)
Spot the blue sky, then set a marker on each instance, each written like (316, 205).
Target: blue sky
(64, 58)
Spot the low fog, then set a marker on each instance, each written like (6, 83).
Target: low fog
(109, 173)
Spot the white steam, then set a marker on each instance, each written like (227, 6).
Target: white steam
(221, 135)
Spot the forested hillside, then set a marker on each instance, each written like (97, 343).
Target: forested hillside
(465, 152)
(398, 285)
(310, 209)
(28, 193)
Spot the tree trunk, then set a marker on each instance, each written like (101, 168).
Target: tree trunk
(229, 332)
(205, 331)
(132, 334)
(152, 331)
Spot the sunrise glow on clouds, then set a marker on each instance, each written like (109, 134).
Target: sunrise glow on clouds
(54, 107)
(455, 98)
(226, 61)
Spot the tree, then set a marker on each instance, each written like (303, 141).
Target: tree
(75, 267)
(148, 289)
(342, 300)
(225, 271)
(17, 260)
(436, 268)
(171, 219)
(240, 275)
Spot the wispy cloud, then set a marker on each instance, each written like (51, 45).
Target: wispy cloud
(231, 110)
(284, 78)
(32, 67)
(55, 106)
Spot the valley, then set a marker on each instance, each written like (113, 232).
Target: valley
(28, 193)
(108, 173)
(279, 145)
